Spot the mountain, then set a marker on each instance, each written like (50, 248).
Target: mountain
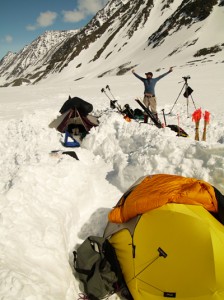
(32, 59)
(137, 28)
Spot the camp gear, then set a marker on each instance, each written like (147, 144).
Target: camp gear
(174, 250)
(178, 130)
(164, 118)
(97, 267)
(126, 113)
(81, 105)
(187, 92)
(59, 153)
(138, 114)
(148, 112)
(206, 122)
(107, 87)
(156, 121)
(75, 122)
(72, 142)
(157, 190)
(196, 117)
(113, 103)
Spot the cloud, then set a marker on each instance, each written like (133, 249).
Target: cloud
(73, 16)
(91, 7)
(84, 8)
(45, 19)
(8, 39)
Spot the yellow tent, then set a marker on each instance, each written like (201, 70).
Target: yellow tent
(173, 251)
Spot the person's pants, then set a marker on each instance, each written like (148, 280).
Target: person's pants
(150, 102)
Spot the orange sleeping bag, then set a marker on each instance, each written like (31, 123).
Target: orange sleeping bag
(156, 190)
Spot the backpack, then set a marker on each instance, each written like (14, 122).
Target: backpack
(97, 267)
(179, 130)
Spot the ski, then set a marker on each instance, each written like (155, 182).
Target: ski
(196, 117)
(206, 122)
(150, 114)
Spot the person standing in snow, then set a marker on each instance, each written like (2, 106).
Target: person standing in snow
(149, 92)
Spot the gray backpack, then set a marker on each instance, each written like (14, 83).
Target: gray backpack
(97, 267)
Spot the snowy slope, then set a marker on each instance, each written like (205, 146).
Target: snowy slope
(122, 35)
(50, 204)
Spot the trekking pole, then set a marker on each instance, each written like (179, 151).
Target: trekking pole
(178, 122)
(164, 117)
(114, 105)
(103, 91)
(114, 101)
(107, 87)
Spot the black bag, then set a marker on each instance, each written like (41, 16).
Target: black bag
(81, 105)
(188, 92)
(179, 130)
(97, 267)
(138, 113)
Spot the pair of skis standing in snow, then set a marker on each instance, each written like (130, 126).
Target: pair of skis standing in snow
(196, 117)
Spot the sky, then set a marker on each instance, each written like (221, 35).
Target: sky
(23, 21)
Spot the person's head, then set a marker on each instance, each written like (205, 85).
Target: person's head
(149, 75)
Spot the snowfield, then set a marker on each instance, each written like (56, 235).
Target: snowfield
(51, 204)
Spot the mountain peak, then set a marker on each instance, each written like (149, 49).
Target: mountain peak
(132, 30)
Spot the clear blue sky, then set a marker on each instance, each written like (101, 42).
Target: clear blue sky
(22, 21)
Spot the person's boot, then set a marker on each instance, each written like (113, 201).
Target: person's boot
(156, 116)
(146, 119)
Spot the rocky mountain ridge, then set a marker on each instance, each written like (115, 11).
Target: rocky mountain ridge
(122, 26)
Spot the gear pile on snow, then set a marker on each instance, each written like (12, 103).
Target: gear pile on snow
(75, 121)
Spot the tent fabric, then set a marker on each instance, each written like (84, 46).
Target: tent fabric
(175, 251)
(70, 114)
(157, 190)
(73, 117)
(220, 199)
(60, 123)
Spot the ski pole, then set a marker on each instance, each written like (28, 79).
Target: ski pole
(178, 122)
(103, 91)
(112, 102)
(164, 117)
(107, 87)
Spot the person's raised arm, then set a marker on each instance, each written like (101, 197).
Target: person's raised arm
(136, 75)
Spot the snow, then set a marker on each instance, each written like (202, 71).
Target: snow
(51, 204)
